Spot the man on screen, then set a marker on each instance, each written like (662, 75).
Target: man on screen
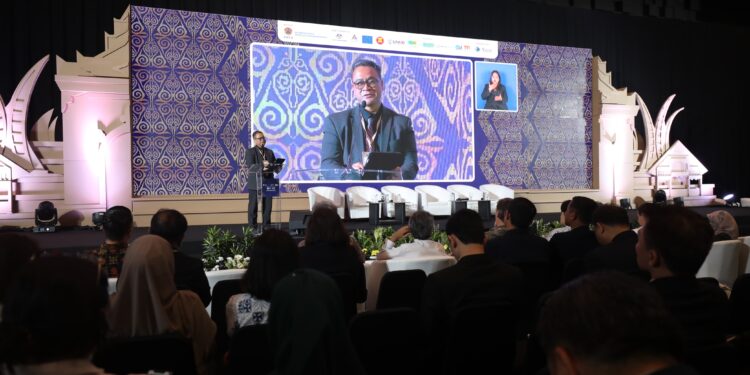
(351, 135)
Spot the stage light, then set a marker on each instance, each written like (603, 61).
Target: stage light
(660, 197)
(98, 218)
(728, 197)
(678, 202)
(45, 217)
(625, 203)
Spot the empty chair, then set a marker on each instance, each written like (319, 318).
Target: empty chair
(496, 192)
(161, 353)
(722, 262)
(325, 194)
(494, 326)
(739, 305)
(400, 194)
(387, 341)
(401, 289)
(434, 199)
(469, 193)
(250, 351)
(358, 199)
(221, 293)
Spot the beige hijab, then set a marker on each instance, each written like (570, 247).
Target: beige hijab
(723, 222)
(148, 303)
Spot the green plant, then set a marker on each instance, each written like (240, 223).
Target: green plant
(542, 228)
(372, 242)
(222, 249)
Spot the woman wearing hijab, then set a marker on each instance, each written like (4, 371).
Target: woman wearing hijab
(724, 225)
(147, 302)
(307, 329)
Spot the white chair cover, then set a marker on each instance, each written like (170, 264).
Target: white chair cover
(722, 262)
(358, 199)
(331, 195)
(434, 199)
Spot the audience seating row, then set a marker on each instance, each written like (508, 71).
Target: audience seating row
(431, 198)
(727, 260)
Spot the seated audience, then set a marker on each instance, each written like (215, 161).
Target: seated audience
(645, 211)
(672, 247)
(147, 302)
(307, 330)
(476, 279)
(724, 226)
(499, 228)
(565, 227)
(617, 250)
(420, 226)
(53, 318)
(273, 256)
(609, 323)
(15, 251)
(518, 244)
(328, 249)
(117, 226)
(577, 242)
(171, 225)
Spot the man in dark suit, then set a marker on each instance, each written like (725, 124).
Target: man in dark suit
(570, 247)
(258, 158)
(350, 135)
(617, 240)
(171, 225)
(476, 279)
(672, 246)
(518, 245)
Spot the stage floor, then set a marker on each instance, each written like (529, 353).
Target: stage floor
(85, 238)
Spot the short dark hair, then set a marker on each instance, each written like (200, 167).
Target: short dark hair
(421, 224)
(502, 206)
(467, 226)
(325, 225)
(609, 214)
(15, 251)
(368, 63)
(170, 225)
(647, 209)
(256, 133)
(522, 212)
(274, 255)
(54, 310)
(118, 221)
(681, 237)
(584, 208)
(564, 205)
(609, 318)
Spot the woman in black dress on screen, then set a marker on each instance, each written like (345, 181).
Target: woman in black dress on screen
(494, 93)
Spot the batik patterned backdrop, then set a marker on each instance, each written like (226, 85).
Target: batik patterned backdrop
(191, 108)
(295, 88)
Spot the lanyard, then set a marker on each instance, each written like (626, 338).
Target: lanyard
(370, 139)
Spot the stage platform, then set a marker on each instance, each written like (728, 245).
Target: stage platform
(66, 240)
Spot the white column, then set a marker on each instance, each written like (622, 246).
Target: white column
(616, 151)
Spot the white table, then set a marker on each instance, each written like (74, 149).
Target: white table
(375, 269)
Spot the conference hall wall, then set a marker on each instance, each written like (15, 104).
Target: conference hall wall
(202, 83)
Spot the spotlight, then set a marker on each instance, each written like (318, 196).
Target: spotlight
(45, 217)
(730, 201)
(625, 203)
(728, 197)
(98, 219)
(660, 197)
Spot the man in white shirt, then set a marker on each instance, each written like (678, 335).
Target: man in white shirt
(420, 226)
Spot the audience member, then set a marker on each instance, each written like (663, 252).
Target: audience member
(118, 225)
(724, 226)
(171, 225)
(476, 279)
(307, 330)
(645, 211)
(148, 303)
(672, 247)
(565, 227)
(617, 250)
(328, 249)
(499, 228)
(420, 226)
(609, 323)
(15, 251)
(273, 256)
(518, 245)
(574, 244)
(53, 318)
